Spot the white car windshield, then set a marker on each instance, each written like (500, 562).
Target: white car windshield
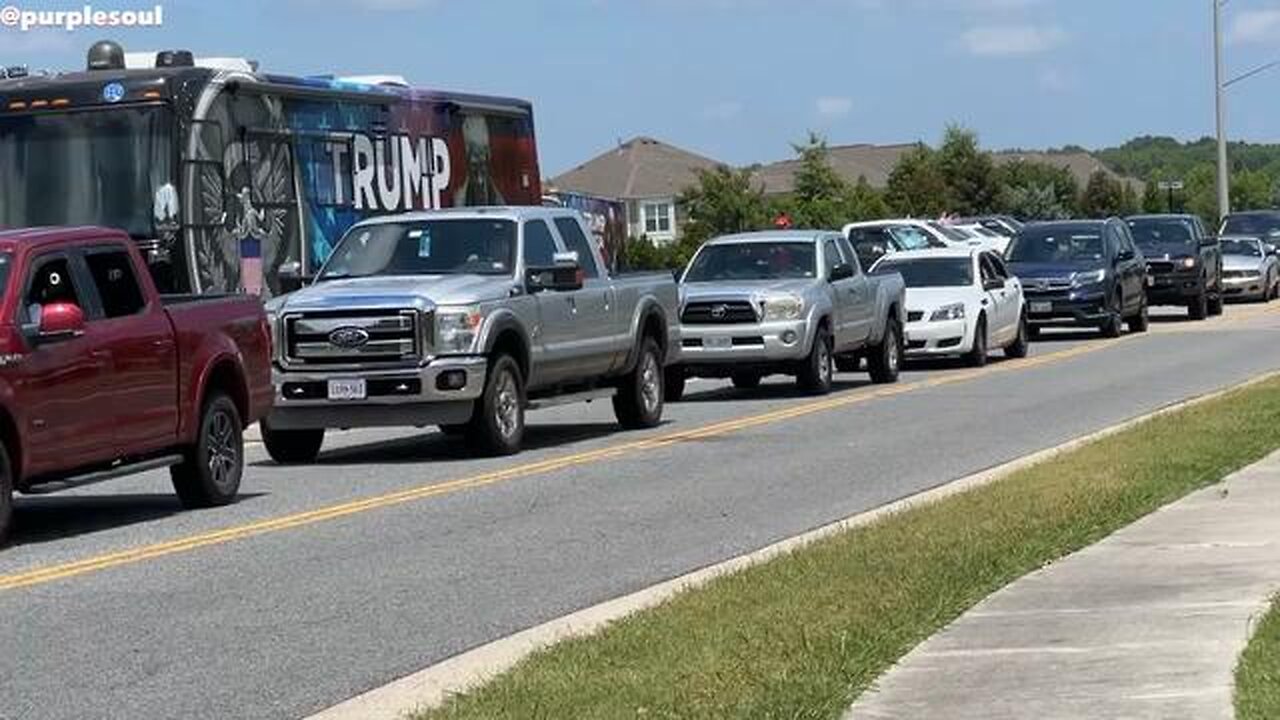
(931, 272)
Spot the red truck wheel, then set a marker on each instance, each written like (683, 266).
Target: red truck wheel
(210, 474)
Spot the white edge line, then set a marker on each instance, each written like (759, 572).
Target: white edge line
(432, 686)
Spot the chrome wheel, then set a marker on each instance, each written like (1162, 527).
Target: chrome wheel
(223, 452)
(825, 371)
(893, 351)
(650, 383)
(506, 409)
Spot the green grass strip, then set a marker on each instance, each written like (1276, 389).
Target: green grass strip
(802, 635)
(1258, 677)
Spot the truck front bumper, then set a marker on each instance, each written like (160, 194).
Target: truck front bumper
(707, 347)
(1174, 288)
(1252, 286)
(442, 392)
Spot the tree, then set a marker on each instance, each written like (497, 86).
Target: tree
(917, 186)
(1103, 196)
(723, 202)
(1130, 204)
(1251, 190)
(968, 172)
(863, 202)
(821, 195)
(1035, 190)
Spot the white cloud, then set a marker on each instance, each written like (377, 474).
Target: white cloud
(1255, 26)
(1006, 40)
(834, 107)
(36, 41)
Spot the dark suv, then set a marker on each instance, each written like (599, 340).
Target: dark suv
(1081, 272)
(1183, 261)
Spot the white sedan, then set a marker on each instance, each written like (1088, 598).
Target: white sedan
(961, 302)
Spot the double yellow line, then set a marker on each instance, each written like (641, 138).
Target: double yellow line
(62, 571)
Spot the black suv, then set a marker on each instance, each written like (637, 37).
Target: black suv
(1081, 272)
(1183, 261)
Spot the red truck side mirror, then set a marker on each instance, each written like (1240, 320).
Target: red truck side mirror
(61, 321)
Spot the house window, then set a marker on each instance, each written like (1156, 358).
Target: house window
(657, 218)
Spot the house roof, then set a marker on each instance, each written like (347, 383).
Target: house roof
(1081, 165)
(874, 162)
(639, 168)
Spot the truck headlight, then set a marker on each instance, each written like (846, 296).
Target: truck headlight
(1093, 277)
(456, 328)
(276, 333)
(954, 311)
(783, 307)
(1187, 263)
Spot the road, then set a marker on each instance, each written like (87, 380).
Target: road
(398, 551)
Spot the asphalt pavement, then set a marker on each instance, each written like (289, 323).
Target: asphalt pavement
(398, 550)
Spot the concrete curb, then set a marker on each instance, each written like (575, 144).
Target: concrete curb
(432, 686)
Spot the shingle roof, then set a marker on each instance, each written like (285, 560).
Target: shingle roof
(639, 168)
(1081, 165)
(874, 162)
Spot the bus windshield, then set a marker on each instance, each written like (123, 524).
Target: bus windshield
(98, 167)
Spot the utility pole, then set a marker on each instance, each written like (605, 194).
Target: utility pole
(1219, 89)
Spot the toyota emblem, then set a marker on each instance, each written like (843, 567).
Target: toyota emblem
(719, 311)
(348, 337)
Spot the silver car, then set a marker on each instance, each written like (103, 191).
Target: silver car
(1250, 270)
(794, 303)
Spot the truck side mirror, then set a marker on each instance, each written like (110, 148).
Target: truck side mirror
(555, 278)
(291, 277)
(843, 271)
(60, 321)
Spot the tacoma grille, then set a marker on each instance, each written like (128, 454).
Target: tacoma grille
(735, 312)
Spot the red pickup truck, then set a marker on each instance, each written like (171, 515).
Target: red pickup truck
(100, 376)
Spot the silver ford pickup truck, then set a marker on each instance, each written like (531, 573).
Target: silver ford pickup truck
(465, 319)
(789, 302)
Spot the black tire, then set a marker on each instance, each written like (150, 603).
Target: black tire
(1115, 324)
(980, 352)
(746, 380)
(673, 382)
(292, 447)
(1141, 322)
(848, 363)
(638, 404)
(1215, 304)
(210, 473)
(1198, 307)
(885, 360)
(818, 369)
(1021, 345)
(497, 422)
(6, 494)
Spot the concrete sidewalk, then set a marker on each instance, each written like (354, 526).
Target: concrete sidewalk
(1149, 623)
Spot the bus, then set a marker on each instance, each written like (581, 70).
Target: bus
(235, 180)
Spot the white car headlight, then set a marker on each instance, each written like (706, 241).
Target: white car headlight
(783, 307)
(954, 311)
(456, 328)
(1092, 277)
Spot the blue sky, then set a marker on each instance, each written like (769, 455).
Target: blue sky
(739, 79)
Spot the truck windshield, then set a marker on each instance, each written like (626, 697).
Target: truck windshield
(931, 272)
(1161, 236)
(754, 261)
(433, 247)
(1056, 245)
(100, 167)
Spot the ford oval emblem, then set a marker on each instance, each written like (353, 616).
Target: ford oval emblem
(113, 92)
(348, 337)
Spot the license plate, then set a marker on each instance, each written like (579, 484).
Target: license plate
(348, 390)
(1041, 307)
(718, 343)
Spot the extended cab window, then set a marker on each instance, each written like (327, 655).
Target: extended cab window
(571, 233)
(539, 245)
(112, 273)
(51, 283)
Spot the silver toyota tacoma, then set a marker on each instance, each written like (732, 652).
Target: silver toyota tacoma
(789, 302)
(465, 319)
